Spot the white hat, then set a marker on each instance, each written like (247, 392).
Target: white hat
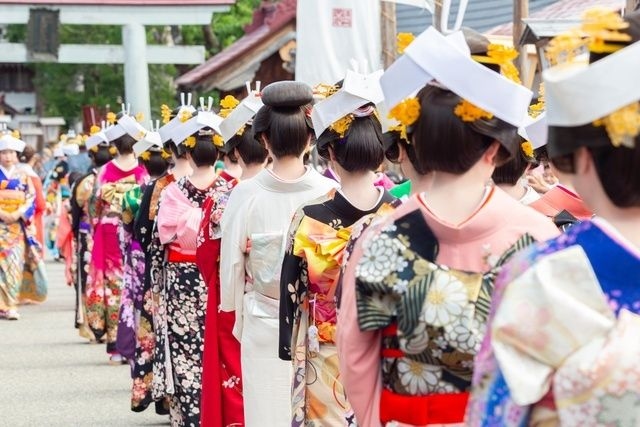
(151, 139)
(96, 139)
(185, 107)
(132, 127)
(114, 132)
(535, 130)
(70, 149)
(432, 56)
(204, 119)
(242, 113)
(357, 90)
(10, 142)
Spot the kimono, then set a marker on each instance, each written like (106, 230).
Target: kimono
(81, 196)
(563, 344)
(104, 284)
(563, 205)
(56, 187)
(254, 227)
(221, 403)
(143, 392)
(22, 271)
(415, 300)
(185, 297)
(134, 267)
(317, 238)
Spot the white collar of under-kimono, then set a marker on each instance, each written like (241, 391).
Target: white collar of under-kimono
(8, 172)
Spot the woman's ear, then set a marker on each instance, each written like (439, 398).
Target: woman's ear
(491, 155)
(332, 155)
(582, 161)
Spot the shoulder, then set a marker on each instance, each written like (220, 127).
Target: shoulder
(522, 218)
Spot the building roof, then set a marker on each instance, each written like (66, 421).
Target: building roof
(269, 21)
(567, 11)
(120, 2)
(481, 15)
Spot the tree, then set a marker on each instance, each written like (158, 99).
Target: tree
(64, 88)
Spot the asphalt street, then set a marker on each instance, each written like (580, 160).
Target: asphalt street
(50, 376)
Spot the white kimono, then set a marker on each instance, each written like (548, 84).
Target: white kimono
(254, 227)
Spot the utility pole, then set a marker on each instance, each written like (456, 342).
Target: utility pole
(520, 12)
(388, 32)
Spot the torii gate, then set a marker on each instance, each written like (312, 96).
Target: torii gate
(132, 15)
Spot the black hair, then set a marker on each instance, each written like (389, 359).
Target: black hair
(27, 154)
(361, 148)
(284, 119)
(204, 152)
(250, 151)
(100, 155)
(156, 165)
(443, 142)
(511, 171)
(124, 144)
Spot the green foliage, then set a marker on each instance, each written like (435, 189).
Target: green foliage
(64, 88)
(229, 27)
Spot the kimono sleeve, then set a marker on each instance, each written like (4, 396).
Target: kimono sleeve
(292, 287)
(233, 251)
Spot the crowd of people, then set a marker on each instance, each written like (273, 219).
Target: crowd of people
(496, 285)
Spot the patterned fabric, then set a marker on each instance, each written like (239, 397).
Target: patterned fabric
(185, 300)
(222, 403)
(104, 284)
(563, 346)
(317, 239)
(134, 268)
(440, 313)
(22, 275)
(83, 242)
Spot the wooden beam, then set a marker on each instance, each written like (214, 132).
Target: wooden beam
(388, 32)
(107, 54)
(520, 12)
(118, 15)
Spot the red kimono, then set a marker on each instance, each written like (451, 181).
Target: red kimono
(221, 401)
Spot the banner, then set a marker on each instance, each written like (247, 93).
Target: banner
(330, 33)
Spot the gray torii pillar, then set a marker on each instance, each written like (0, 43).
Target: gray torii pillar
(136, 69)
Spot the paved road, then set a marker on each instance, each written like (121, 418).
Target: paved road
(49, 376)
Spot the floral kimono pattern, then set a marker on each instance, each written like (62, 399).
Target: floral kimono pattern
(432, 318)
(185, 299)
(22, 274)
(142, 391)
(83, 242)
(221, 403)
(133, 275)
(311, 267)
(563, 346)
(104, 285)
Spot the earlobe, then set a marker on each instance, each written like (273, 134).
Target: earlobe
(583, 161)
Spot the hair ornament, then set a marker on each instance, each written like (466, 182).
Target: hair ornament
(165, 113)
(145, 156)
(470, 113)
(623, 125)
(527, 150)
(15, 133)
(113, 151)
(228, 103)
(111, 117)
(503, 56)
(603, 25)
(190, 142)
(94, 129)
(403, 40)
(217, 140)
(341, 126)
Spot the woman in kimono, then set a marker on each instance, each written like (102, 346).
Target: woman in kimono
(81, 225)
(155, 161)
(353, 145)
(104, 284)
(221, 403)
(150, 382)
(562, 346)
(185, 298)
(19, 256)
(417, 287)
(28, 160)
(254, 227)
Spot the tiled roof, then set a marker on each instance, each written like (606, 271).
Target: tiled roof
(268, 20)
(561, 10)
(121, 2)
(481, 15)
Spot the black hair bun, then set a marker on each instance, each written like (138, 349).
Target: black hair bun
(478, 43)
(287, 94)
